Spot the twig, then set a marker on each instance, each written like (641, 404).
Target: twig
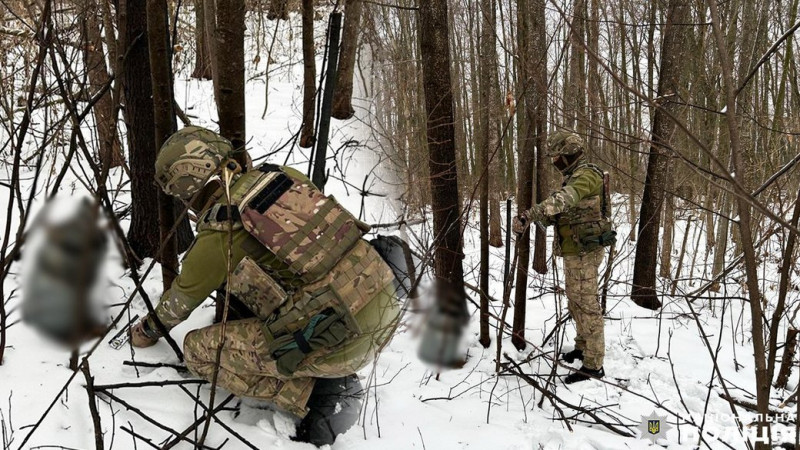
(98, 429)
(108, 387)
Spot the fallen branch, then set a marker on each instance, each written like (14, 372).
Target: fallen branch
(517, 370)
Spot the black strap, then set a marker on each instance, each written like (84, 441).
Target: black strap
(222, 214)
(271, 193)
(267, 168)
(301, 341)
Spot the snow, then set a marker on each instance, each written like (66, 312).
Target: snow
(651, 358)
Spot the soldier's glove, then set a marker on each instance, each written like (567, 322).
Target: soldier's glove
(142, 335)
(520, 223)
(525, 218)
(324, 330)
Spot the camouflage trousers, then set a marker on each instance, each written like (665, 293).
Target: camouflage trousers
(246, 367)
(584, 306)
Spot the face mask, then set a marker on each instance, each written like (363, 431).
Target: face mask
(566, 162)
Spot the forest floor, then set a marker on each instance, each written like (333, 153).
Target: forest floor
(652, 358)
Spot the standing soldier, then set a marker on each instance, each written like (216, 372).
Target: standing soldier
(580, 210)
(322, 298)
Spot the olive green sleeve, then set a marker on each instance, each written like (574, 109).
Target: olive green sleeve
(584, 182)
(204, 269)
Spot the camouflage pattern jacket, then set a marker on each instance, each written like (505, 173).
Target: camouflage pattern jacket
(577, 204)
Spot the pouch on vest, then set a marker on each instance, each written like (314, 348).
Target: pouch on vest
(299, 224)
(256, 288)
(316, 321)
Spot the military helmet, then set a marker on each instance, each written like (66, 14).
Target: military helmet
(564, 143)
(188, 159)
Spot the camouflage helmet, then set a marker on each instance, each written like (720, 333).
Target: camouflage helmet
(188, 159)
(564, 143)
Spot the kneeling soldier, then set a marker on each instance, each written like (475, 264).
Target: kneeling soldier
(324, 302)
(580, 210)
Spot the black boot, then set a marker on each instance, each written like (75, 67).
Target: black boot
(583, 374)
(334, 406)
(570, 357)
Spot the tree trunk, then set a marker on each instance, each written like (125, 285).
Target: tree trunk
(670, 82)
(531, 104)
(445, 199)
(488, 64)
(309, 76)
(104, 110)
(143, 233)
(229, 78)
(537, 70)
(575, 102)
(342, 96)
(763, 381)
(202, 55)
(164, 122)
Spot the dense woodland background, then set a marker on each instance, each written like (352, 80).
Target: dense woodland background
(692, 106)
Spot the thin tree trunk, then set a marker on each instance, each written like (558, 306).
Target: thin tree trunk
(763, 384)
(537, 70)
(202, 55)
(342, 96)
(487, 65)
(309, 76)
(671, 80)
(104, 109)
(445, 199)
(164, 122)
(143, 233)
(229, 79)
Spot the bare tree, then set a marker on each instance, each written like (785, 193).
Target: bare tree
(445, 200)
(671, 84)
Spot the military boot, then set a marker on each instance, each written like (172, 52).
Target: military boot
(570, 357)
(333, 408)
(583, 374)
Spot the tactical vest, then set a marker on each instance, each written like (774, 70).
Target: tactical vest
(333, 273)
(589, 221)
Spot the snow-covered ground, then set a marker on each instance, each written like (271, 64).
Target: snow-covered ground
(651, 358)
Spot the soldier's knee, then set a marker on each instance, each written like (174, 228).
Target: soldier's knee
(194, 349)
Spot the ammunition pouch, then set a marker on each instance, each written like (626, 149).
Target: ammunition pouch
(316, 320)
(256, 288)
(592, 235)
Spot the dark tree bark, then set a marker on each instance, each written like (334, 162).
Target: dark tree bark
(445, 200)
(671, 82)
(138, 112)
(309, 76)
(229, 79)
(164, 122)
(144, 233)
(202, 54)
(342, 97)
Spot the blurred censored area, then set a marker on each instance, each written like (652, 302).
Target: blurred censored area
(65, 251)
